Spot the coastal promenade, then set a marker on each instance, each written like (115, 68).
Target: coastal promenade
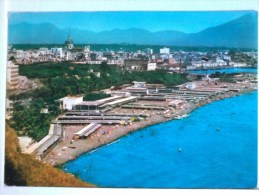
(70, 148)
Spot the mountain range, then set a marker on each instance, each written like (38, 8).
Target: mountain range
(239, 33)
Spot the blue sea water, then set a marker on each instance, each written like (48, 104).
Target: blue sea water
(218, 143)
(225, 70)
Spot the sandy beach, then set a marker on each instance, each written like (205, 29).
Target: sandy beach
(69, 148)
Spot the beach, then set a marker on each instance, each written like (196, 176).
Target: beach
(69, 149)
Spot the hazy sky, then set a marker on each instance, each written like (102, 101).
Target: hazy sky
(188, 22)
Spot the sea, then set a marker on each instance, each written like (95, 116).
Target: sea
(225, 70)
(215, 147)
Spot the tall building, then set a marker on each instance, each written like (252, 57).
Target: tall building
(12, 75)
(165, 50)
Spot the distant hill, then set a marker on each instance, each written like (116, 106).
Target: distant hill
(34, 33)
(239, 33)
(24, 170)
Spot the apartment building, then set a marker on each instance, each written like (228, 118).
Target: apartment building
(12, 75)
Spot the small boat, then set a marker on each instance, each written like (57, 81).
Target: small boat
(179, 149)
(217, 129)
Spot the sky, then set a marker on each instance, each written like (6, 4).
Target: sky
(187, 22)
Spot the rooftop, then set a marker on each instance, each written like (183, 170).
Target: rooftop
(70, 97)
(69, 40)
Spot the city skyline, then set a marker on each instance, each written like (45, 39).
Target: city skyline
(149, 20)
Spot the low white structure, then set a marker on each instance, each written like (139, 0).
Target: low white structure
(69, 101)
(190, 85)
(87, 130)
(25, 142)
(151, 66)
(120, 102)
(94, 62)
(240, 64)
(120, 93)
(139, 84)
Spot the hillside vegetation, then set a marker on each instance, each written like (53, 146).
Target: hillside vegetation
(62, 79)
(24, 170)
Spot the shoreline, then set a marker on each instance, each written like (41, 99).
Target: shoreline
(61, 154)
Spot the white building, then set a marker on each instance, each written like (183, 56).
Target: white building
(151, 66)
(68, 55)
(57, 51)
(165, 50)
(12, 75)
(139, 84)
(44, 51)
(68, 102)
(94, 62)
(190, 85)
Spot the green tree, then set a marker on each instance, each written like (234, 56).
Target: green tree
(12, 58)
